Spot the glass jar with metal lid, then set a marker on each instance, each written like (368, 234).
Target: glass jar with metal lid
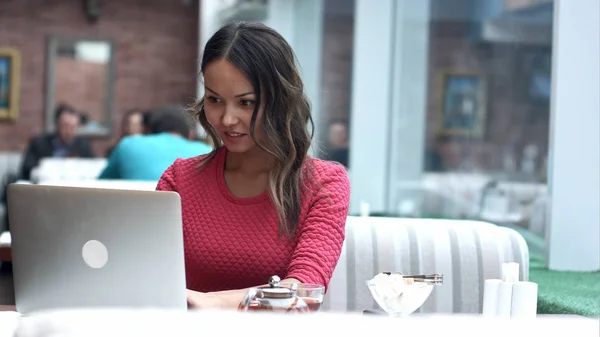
(273, 297)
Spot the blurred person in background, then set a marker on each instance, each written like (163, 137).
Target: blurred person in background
(146, 121)
(87, 124)
(442, 155)
(150, 117)
(147, 156)
(337, 147)
(60, 144)
(131, 124)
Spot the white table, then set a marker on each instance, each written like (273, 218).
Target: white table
(98, 183)
(9, 321)
(115, 322)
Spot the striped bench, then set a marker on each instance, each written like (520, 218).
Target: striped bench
(465, 252)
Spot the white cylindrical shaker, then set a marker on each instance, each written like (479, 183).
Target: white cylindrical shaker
(524, 300)
(365, 209)
(504, 299)
(510, 275)
(490, 297)
(510, 272)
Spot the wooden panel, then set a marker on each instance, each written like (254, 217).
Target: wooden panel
(8, 308)
(5, 254)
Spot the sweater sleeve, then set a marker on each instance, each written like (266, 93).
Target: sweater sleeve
(167, 181)
(323, 232)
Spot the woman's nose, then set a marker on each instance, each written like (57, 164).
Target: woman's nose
(229, 117)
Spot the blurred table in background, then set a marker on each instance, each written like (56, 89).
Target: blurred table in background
(108, 184)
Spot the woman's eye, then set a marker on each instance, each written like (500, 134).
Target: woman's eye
(246, 102)
(213, 99)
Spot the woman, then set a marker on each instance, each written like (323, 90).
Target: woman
(257, 205)
(131, 124)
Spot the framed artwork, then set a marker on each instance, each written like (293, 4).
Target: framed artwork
(10, 68)
(462, 104)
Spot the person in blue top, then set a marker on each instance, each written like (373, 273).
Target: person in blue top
(147, 156)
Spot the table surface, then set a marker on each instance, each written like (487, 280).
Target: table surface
(14, 308)
(10, 320)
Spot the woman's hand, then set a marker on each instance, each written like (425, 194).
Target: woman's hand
(228, 299)
(217, 300)
(198, 300)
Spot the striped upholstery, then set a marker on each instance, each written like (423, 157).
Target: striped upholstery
(465, 252)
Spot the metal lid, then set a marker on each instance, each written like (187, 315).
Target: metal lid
(274, 290)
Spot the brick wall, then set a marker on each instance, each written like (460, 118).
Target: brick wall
(155, 49)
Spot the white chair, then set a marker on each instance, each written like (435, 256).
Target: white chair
(465, 252)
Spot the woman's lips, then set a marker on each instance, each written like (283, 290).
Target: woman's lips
(234, 136)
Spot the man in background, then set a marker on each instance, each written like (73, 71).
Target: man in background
(443, 155)
(146, 157)
(60, 144)
(337, 147)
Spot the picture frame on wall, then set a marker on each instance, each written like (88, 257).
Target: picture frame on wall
(462, 104)
(10, 71)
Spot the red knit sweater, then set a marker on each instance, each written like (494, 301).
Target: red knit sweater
(233, 243)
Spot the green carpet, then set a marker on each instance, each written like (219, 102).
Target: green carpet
(560, 292)
(574, 293)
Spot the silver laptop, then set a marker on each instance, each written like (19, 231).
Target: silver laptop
(88, 247)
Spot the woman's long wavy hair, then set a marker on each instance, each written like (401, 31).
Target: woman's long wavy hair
(269, 63)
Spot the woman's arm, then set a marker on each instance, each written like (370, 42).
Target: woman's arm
(228, 299)
(323, 230)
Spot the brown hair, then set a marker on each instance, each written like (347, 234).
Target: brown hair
(269, 63)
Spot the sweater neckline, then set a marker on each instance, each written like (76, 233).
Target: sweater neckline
(221, 156)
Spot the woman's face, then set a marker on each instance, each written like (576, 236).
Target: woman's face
(229, 101)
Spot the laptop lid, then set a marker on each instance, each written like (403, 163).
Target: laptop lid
(89, 247)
